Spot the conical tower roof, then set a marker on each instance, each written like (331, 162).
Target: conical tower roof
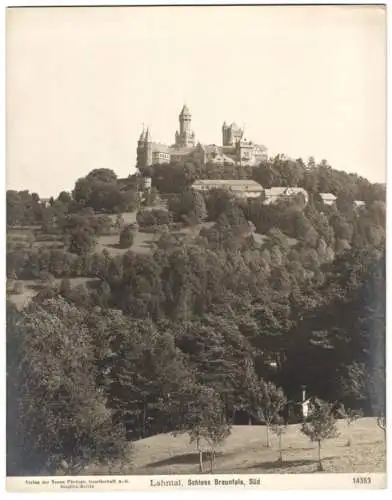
(185, 111)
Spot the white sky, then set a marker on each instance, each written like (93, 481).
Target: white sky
(81, 81)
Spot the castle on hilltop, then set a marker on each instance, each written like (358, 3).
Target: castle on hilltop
(235, 150)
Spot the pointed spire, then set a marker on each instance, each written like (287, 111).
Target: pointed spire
(185, 110)
(141, 138)
(147, 137)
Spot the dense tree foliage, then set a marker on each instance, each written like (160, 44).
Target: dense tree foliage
(207, 329)
(56, 411)
(274, 172)
(101, 191)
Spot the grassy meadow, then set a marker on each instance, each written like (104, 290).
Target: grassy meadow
(245, 451)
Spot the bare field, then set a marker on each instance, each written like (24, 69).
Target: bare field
(141, 244)
(245, 452)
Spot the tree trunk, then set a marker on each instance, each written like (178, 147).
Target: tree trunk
(201, 461)
(144, 420)
(349, 435)
(200, 455)
(250, 420)
(268, 441)
(212, 460)
(280, 449)
(226, 411)
(320, 465)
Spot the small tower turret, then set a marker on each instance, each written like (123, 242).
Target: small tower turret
(224, 134)
(148, 147)
(140, 155)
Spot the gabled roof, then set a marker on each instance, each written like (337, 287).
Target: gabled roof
(227, 159)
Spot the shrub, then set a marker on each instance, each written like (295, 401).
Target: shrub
(126, 237)
(149, 218)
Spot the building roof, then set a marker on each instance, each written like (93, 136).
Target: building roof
(227, 159)
(212, 148)
(260, 148)
(327, 196)
(275, 193)
(221, 158)
(281, 191)
(174, 150)
(158, 147)
(235, 184)
(216, 159)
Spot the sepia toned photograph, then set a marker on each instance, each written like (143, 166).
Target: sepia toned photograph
(195, 247)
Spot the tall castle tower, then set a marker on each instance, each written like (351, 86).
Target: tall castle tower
(231, 134)
(185, 137)
(144, 149)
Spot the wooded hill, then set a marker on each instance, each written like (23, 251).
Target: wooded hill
(212, 313)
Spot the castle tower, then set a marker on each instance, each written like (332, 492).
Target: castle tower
(148, 148)
(140, 155)
(224, 134)
(231, 134)
(144, 149)
(185, 137)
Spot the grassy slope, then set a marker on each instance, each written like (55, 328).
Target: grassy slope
(245, 452)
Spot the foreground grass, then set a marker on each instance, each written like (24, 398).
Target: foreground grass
(245, 452)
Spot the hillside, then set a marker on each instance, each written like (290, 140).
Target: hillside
(145, 317)
(245, 452)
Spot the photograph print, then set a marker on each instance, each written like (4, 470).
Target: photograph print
(196, 245)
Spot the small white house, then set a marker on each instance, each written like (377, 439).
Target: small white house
(328, 198)
(274, 194)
